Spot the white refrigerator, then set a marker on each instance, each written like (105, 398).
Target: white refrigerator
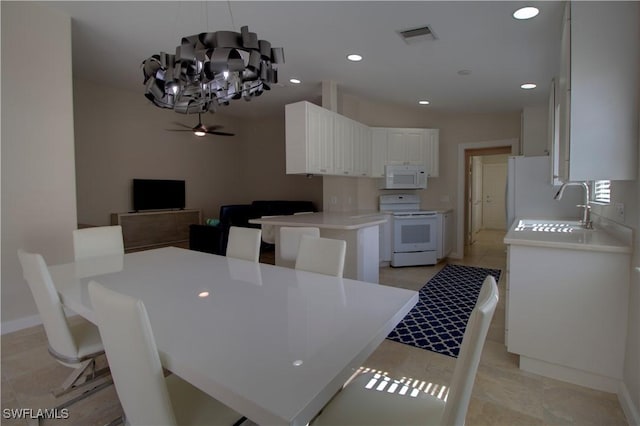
(530, 192)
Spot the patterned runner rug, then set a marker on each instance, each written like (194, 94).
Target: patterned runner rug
(438, 320)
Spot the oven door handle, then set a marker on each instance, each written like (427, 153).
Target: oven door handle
(415, 216)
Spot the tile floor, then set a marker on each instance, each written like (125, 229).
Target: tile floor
(502, 395)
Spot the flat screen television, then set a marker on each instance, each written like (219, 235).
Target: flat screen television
(158, 194)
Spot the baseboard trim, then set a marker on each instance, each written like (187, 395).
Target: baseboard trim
(20, 323)
(630, 410)
(571, 375)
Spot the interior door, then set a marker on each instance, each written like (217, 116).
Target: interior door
(476, 197)
(494, 179)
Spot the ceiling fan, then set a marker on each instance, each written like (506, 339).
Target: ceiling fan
(201, 130)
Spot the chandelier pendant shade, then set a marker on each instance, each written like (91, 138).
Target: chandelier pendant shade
(211, 69)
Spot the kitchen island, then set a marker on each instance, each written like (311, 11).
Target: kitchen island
(567, 299)
(359, 230)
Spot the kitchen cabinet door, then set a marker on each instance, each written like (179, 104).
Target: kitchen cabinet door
(309, 137)
(352, 148)
(598, 88)
(344, 145)
(379, 137)
(432, 152)
(567, 319)
(362, 150)
(406, 146)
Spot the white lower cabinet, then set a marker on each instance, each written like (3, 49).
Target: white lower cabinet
(566, 313)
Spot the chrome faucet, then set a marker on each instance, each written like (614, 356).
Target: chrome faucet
(586, 214)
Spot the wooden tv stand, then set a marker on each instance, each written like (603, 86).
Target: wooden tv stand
(152, 229)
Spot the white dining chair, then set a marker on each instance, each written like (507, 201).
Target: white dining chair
(376, 400)
(146, 395)
(290, 241)
(97, 241)
(75, 345)
(244, 243)
(321, 255)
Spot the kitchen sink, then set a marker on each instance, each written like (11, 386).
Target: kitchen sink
(544, 225)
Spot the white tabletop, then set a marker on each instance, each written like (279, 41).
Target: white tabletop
(332, 220)
(273, 343)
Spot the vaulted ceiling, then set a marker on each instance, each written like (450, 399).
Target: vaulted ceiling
(478, 59)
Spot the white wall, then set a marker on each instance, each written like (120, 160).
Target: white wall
(38, 175)
(123, 136)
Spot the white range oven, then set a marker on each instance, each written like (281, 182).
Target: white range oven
(414, 232)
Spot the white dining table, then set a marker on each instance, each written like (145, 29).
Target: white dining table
(273, 343)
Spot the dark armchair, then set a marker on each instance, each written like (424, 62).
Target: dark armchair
(213, 239)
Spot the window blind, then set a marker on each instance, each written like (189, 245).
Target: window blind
(602, 191)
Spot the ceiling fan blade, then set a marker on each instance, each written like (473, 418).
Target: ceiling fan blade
(221, 133)
(179, 130)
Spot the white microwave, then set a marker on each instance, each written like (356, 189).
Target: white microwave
(404, 177)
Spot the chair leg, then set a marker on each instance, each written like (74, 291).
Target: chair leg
(77, 379)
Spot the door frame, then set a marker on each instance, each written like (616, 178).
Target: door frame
(465, 152)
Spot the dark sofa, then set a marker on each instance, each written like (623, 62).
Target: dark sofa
(213, 239)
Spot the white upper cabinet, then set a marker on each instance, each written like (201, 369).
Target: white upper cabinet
(352, 147)
(597, 92)
(378, 150)
(309, 139)
(432, 152)
(362, 150)
(319, 141)
(404, 146)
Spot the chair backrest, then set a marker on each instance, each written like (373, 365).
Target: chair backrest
(97, 241)
(290, 240)
(244, 243)
(133, 357)
(464, 374)
(36, 273)
(321, 255)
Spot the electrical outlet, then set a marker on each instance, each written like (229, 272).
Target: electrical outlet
(334, 199)
(620, 211)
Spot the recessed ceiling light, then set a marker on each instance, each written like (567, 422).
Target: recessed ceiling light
(528, 86)
(354, 57)
(424, 102)
(295, 81)
(526, 13)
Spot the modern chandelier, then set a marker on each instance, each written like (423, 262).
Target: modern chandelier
(211, 69)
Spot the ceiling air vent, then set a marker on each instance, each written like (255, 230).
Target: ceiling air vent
(416, 35)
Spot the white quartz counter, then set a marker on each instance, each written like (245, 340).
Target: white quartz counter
(566, 234)
(324, 220)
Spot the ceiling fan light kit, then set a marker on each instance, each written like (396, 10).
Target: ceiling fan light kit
(201, 130)
(211, 69)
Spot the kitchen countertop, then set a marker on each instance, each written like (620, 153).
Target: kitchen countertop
(331, 220)
(568, 234)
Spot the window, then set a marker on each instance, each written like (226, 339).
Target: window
(601, 192)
